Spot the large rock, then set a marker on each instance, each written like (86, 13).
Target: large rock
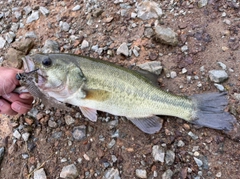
(148, 9)
(166, 36)
(153, 67)
(69, 171)
(218, 76)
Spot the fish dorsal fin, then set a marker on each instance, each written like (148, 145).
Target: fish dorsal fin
(149, 125)
(153, 78)
(89, 113)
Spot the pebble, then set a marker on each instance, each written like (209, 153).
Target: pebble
(169, 157)
(85, 44)
(198, 162)
(148, 9)
(180, 143)
(44, 10)
(224, 48)
(31, 34)
(202, 3)
(69, 120)
(33, 17)
(218, 76)
(112, 124)
(227, 21)
(18, 15)
(123, 49)
(2, 151)
(193, 136)
(141, 173)
(64, 26)
(219, 87)
(167, 174)
(166, 36)
(2, 42)
(173, 74)
(86, 157)
(184, 48)
(148, 32)
(236, 96)
(153, 67)
(114, 158)
(14, 27)
(135, 51)
(69, 171)
(76, 8)
(111, 173)
(16, 134)
(52, 123)
(158, 153)
(133, 15)
(184, 70)
(222, 65)
(57, 135)
(111, 143)
(79, 132)
(10, 36)
(219, 174)
(27, 9)
(50, 46)
(25, 136)
(39, 174)
(25, 156)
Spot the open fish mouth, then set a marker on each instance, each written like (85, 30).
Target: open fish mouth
(29, 68)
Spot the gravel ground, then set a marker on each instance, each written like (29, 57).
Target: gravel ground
(193, 47)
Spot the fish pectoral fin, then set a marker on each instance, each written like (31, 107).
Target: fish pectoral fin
(89, 113)
(149, 125)
(97, 95)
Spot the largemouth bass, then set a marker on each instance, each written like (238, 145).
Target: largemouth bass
(94, 84)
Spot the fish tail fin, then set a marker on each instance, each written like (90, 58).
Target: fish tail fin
(210, 111)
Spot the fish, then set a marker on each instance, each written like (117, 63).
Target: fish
(97, 85)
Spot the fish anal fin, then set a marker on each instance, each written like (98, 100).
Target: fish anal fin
(97, 95)
(89, 113)
(149, 125)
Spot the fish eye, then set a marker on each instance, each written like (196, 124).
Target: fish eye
(47, 62)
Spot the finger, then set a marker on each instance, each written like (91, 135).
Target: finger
(21, 108)
(26, 96)
(5, 108)
(11, 97)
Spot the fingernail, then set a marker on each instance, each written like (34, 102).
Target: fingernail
(16, 107)
(1, 103)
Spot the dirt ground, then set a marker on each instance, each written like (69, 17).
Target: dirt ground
(211, 34)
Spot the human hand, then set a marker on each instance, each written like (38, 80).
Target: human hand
(12, 103)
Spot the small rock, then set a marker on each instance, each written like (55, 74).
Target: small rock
(180, 143)
(39, 174)
(10, 36)
(219, 87)
(169, 157)
(224, 48)
(33, 17)
(198, 162)
(227, 21)
(2, 151)
(69, 171)
(158, 153)
(25, 156)
(16, 134)
(236, 96)
(141, 173)
(50, 46)
(135, 52)
(149, 9)
(44, 10)
(133, 15)
(57, 135)
(153, 67)
(85, 44)
(76, 8)
(173, 74)
(148, 32)
(31, 34)
(64, 26)
(112, 124)
(27, 9)
(111, 143)
(69, 120)
(184, 70)
(79, 132)
(52, 123)
(218, 76)
(25, 136)
(166, 36)
(167, 174)
(2, 42)
(86, 157)
(111, 173)
(222, 65)
(193, 136)
(184, 48)
(123, 49)
(202, 3)
(219, 174)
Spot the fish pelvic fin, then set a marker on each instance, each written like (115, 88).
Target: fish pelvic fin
(149, 125)
(89, 113)
(210, 111)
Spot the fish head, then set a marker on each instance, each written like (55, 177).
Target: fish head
(55, 74)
